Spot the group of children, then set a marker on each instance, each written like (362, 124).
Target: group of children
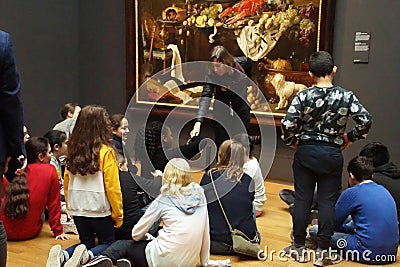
(115, 227)
(104, 198)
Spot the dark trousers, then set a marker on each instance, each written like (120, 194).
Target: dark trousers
(321, 165)
(89, 228)
(228, 123)
(3, 235)
(134, 251)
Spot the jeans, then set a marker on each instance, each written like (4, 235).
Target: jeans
(334, 240)
(221, 248)
(89, 228)
(321, 165)
(3, 235)
(134, 251)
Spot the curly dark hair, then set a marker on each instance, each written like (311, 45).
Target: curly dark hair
(149, 140)
(116, 121)
(91, 131)
(16, 205)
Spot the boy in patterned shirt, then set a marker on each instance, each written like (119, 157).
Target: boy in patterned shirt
(315, 125)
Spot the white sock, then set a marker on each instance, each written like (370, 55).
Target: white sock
(66, 255)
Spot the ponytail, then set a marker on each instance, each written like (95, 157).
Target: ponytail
(16, 205)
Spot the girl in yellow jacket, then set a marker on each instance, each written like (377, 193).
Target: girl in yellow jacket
(92, 188)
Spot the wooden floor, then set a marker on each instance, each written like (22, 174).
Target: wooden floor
(275, 225)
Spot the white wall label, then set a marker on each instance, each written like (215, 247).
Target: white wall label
(361, 47)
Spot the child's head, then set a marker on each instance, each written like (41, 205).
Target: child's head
(38, 150)
(122, 163)
(231, 158)
(91, 131)
(92, 126)
(247, 144)
(26, 134)
(70, 110)
(58, 142)
(220, 54)
(376, 151)
(360, 169)
(177, 174)
(120, 126)
(321, 64)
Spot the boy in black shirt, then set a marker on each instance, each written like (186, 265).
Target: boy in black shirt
(315, 124)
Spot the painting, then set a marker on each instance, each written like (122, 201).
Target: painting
(278, 36)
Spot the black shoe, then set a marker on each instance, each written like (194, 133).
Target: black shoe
(326, 257)
(287, 196)
(100, 261)
(299, 254)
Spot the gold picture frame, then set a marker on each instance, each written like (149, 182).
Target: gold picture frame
(152, 24)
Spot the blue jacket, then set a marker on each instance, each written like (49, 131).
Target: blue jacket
(11, 111)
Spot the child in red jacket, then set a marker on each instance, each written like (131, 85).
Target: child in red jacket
(28, 195)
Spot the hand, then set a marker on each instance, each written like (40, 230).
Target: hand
(22, 169)
(156, 173)
(346, 140)
(258, 213)
(63, 237)
(148, 236)
(69, 216)
(196, 129)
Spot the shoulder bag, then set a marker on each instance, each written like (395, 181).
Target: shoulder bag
(242, 244)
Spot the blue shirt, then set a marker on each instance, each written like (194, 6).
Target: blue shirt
(374, 214)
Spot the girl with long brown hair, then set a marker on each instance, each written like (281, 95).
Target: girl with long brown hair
(92, 188)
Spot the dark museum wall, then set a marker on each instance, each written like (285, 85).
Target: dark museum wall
(75, 51)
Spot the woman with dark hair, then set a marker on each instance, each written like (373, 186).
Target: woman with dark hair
(29, 194)
(227, 82)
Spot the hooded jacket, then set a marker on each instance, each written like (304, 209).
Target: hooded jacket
(185, 232)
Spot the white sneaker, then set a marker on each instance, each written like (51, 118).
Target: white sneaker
(79, 257)
(56, 257)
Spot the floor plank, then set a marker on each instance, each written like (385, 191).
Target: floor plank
(275, 225)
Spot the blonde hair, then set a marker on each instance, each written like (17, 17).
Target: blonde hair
(176, 179)
(231, 159)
